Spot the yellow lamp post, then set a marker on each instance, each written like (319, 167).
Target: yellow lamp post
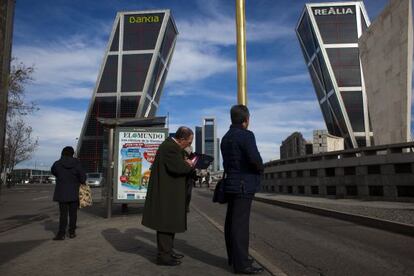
(241, 53)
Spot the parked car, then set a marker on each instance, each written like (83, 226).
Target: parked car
(94, 179)
(51, 179)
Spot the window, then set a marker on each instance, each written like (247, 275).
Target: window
(349, 171)
(306, 35)
(351, 190)
(376, 190)
(346, 67)
(115, 40)
(374, 169)
(129, 106)
(169, 37)
(402, 168)
(155, 77)
(134, 72)
(337, 27)
(141, 31)
(355, 109)
(108, 81)
(331, 190)
(315, 190)
(103, 107)
(330, 172)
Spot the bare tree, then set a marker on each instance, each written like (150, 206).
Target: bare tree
(20, 143)
(20, 76)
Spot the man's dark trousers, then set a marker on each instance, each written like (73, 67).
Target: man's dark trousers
(165, 244)
(71, 209)
(236, 229)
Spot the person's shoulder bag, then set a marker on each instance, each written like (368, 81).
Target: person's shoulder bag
(219, 196)
(85, 196)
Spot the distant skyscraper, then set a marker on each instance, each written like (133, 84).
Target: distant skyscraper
(328, 35)
(210, 144)
(131, 78)
(198, 139)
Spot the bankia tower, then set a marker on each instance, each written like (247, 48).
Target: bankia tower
(131, 78)
(328, 34)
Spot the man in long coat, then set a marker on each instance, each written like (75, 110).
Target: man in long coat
(165, 203)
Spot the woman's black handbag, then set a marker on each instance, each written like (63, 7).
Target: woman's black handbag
(219, 196)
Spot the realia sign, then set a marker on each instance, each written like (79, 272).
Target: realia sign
(333, 11)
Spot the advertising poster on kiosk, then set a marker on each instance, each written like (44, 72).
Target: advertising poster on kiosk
(135, 153)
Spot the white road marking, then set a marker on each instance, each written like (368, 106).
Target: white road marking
(39, 198)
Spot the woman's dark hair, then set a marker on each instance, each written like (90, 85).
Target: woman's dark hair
(183, 133)
(239, 114)
(68, 151)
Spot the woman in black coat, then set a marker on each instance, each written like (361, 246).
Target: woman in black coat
(69, 176)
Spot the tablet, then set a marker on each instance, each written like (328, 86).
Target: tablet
(201, 161)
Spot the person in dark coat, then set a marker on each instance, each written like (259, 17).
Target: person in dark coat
(243, 167)
(69, 176)
(165, 203)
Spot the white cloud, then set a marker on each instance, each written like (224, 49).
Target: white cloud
(271, 121)
(291, 78)
(62, 69)
(194, 61)
(55, 128)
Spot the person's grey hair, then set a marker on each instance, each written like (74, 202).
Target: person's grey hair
(239, 114)
(183, 133)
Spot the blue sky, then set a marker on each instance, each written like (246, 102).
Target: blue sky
(66, 41)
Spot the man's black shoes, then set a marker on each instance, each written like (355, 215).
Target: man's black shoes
(249, 270)
(171, 262)
(177, 256)
(72, 235)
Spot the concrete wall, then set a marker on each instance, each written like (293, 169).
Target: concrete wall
(380, 172)
(386, 50)
(324, 142)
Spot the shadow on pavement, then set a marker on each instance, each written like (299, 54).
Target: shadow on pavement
(51, 226)
(11, 250)
(122, 241)
(129, 243)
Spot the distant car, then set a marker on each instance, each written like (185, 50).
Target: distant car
(51, 179)
(94, 179)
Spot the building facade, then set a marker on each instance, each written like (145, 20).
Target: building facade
(325, 142)
(386, 51)
(328, 34)
(131, 78)
(198, 139)
(209, 141)
(293, 146)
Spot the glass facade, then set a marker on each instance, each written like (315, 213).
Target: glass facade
(128, 77)
(209, 142)
(328, 37)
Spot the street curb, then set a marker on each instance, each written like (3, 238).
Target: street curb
(267, 265)
(395, 227)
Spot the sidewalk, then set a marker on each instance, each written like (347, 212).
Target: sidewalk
(116, 246)
(392, 216)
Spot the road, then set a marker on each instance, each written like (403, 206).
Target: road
(298, 243)
(305, 244)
